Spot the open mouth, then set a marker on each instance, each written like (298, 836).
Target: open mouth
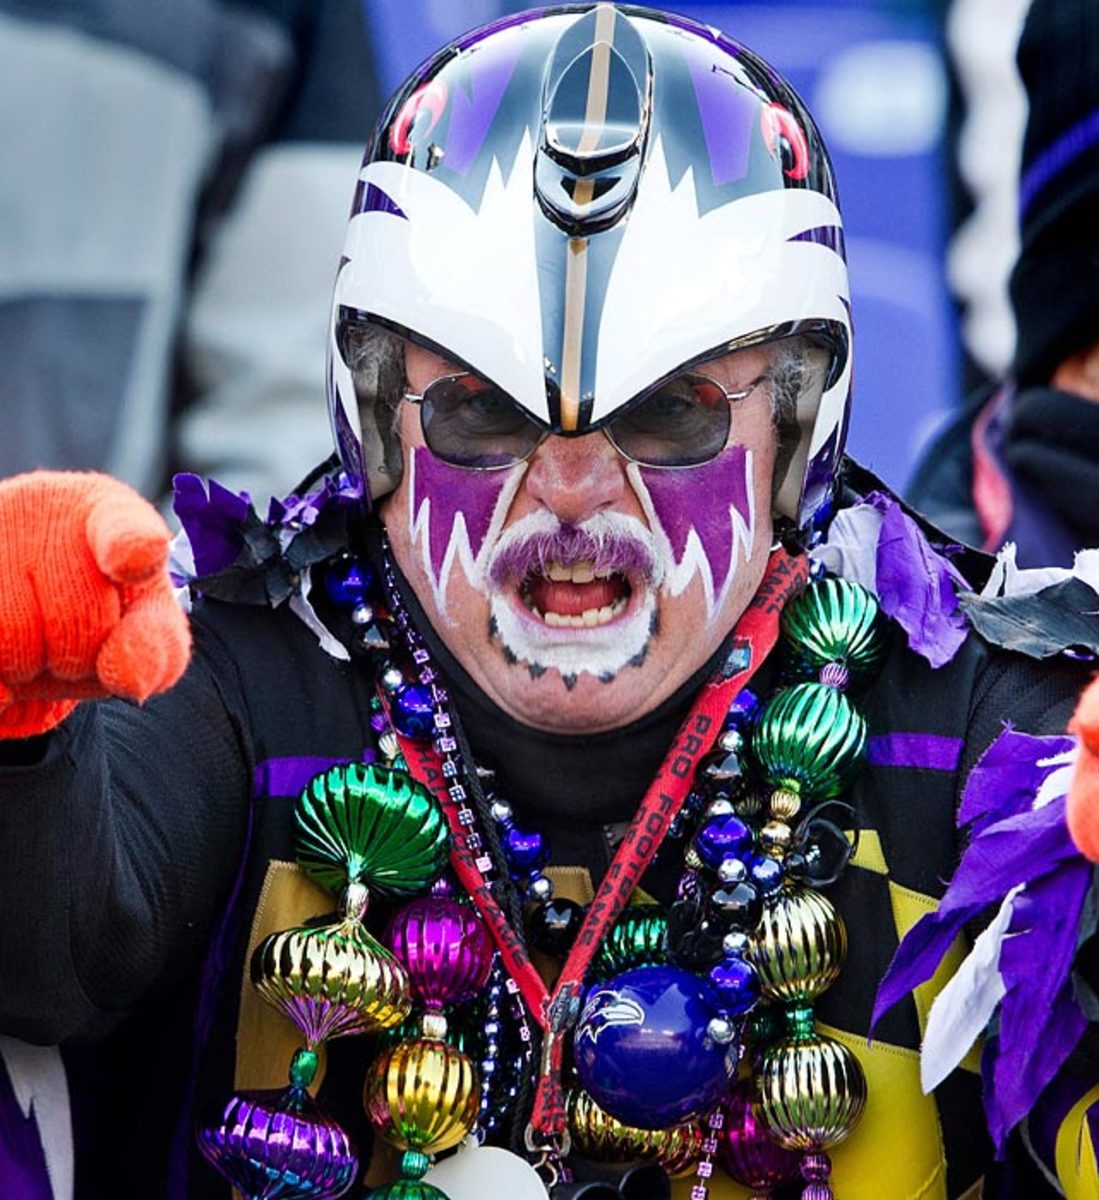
(576, 595)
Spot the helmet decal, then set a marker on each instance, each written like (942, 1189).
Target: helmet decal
(785, 140)
(708, 540)
(419, 115)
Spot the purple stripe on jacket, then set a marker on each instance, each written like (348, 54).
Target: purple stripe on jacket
(923, 751)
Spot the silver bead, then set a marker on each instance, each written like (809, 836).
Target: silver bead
(362, 614)
(540, 889)
(731, 870)
(734, 944)
(392, 679)
(731, 741)
(721, 807)
(721, 1030)
(501, 811)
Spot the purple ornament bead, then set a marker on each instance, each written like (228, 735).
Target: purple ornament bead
(723, 837)
(642, 1050)
(525, 852)
(736, 986)
(445, 946)
(348, 582)
(746, 1150)
(279, 1144)
(413, 711)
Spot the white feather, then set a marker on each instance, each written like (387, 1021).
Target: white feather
(963, 1009)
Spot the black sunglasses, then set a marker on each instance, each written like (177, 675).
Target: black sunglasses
(471, 423)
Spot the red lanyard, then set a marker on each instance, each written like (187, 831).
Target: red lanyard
(752, 640)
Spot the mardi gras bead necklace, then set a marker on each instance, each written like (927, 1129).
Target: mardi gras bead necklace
(747, 938)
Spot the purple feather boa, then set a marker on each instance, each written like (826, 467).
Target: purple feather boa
(1012, 843)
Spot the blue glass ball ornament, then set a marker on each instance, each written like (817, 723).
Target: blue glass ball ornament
(413, 711)
(743, 710)
(722, 837)
(736, 986)
(766, 872)
(348, 582)
(642, 1050)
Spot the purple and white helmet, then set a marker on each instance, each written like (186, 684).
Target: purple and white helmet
(578, 203)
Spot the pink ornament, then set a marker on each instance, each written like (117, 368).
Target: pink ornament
(445, 947)
(747, 1151)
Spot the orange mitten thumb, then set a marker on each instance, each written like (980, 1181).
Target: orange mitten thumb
(86, 606)
(1082, 806)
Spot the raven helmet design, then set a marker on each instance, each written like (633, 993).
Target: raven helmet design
(578, 203)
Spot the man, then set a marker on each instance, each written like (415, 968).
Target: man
(1020, 465)
(590, 365)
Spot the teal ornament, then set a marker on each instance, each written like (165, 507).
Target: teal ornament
(833, 622)
(370, 824)
(637, 939)
(809, 740)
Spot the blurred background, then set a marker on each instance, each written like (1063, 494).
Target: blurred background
(177, 175)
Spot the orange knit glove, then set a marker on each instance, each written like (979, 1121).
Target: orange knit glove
(1082, 806)
(86, 606)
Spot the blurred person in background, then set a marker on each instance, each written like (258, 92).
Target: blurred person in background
(589, 380)
(1022, 465)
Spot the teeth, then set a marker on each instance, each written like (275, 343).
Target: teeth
(588, 619)
(581, 572)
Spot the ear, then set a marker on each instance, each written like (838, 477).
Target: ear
(1082, 809)
(1079, 374)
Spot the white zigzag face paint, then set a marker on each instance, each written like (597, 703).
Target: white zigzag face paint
(577, 590)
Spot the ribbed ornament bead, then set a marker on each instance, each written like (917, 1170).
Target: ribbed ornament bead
(810, 740)
(637, 939)
(279, 1144)
(445, 947)
(422, 1095)
(372, 824)
(799, 945)
(833, 621)
(599, 1136)
(812, 1091)
(331, 981)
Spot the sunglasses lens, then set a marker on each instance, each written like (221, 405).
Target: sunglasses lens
(682, 424)
(470, 423)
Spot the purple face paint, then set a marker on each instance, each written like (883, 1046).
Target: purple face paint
(701, 499)
(439, 494)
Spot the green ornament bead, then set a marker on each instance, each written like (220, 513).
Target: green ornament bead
(833, 621)
(414, 1164)
(637, 939)
(303, 1067)
(405, 1189)
(810, 740)
(372, 824)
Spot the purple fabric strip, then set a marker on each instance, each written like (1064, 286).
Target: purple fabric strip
(23, 1173)
(1054, 159)
(922, 751)
(287, 776)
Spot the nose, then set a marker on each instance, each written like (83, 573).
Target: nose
(576, 477)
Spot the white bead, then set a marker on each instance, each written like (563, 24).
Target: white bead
(479, 1171)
